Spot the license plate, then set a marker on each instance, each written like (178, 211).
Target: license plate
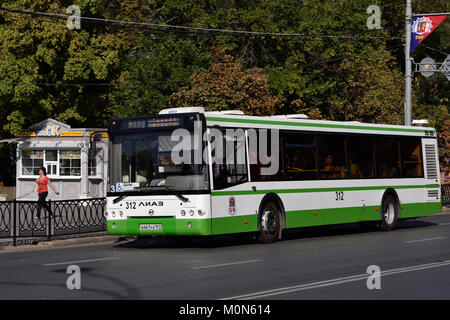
(150, 227)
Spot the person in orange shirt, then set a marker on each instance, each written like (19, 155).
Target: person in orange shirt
(42, 190)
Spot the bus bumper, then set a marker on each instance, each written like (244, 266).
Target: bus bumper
(170, 226)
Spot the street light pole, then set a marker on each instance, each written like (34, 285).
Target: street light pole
(408, 64)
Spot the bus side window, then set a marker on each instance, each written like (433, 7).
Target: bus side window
(301, 156)
(411, 158)
(256, 173)
(232, 168)
(332, 157)
(220, 175)
(255, 166)
(361, 157)
(388, 158)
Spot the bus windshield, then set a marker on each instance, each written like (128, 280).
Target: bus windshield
(142, 161)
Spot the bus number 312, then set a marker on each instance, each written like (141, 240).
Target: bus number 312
(339, 195)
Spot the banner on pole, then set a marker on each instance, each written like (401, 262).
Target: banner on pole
(422, 26)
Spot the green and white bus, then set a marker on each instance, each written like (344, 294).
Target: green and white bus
(327, 173)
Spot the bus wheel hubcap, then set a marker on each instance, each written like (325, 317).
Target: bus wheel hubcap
(268, 221)
(389, 213)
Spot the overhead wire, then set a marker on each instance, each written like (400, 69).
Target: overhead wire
(56, 84)
(191, 29)
(436, 50)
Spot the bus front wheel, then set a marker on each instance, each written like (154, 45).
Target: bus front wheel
(269, 223)
(389, 213)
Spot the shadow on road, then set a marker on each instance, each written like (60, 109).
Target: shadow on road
(349, 229)
(188, 242)
(250, 239)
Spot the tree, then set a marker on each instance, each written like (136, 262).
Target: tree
(444, 145)
(372, 89)
(159, 66)
(47, 70)
(225, 86)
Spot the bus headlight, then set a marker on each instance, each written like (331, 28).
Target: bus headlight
(191, 212)
(113, 214)
(106, 214)
(201, 212)
(121, 214)
(183, 213)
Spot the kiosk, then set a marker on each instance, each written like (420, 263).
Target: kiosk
(64, 152)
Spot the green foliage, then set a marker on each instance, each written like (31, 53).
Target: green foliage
(15, 122)
(38, 53)
(225, 86)
(355, 79)
(154, 71)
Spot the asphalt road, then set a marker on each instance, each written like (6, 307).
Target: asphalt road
(313, 263)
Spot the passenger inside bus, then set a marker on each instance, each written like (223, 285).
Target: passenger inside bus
(355, 171)
(300, 158)
(255, 166)
(300, 162)
(329, 170)
(220, 175)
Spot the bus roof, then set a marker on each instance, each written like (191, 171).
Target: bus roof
(290, 123)
(236, 118)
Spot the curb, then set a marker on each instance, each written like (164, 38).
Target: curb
(66, 243)
(445, 210)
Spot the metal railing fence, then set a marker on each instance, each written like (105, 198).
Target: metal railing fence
(445, 194)
(30, 219)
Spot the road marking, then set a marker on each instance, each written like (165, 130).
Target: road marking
(422, 240)
(79, 261)
(333, 282)
(225, 264)
(444, 224)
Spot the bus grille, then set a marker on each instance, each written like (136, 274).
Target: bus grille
(431, 161)
(433, 194)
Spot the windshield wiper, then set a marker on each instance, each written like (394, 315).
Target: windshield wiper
(174, 192)
(119, 199)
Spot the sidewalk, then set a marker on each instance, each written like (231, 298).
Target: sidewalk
(57, 242)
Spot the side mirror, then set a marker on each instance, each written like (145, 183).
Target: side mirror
(97, 137)
(93, 145)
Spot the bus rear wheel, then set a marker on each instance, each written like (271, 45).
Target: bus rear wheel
(269, 223)
(389, 213)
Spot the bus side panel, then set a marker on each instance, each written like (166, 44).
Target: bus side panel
(311, 208)
(330, 207)
(234, 214)
(317, 217)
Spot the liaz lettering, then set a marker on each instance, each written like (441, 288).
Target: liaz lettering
(133, 204)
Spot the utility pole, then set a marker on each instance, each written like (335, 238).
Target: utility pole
(409, 59)
(408, 64)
